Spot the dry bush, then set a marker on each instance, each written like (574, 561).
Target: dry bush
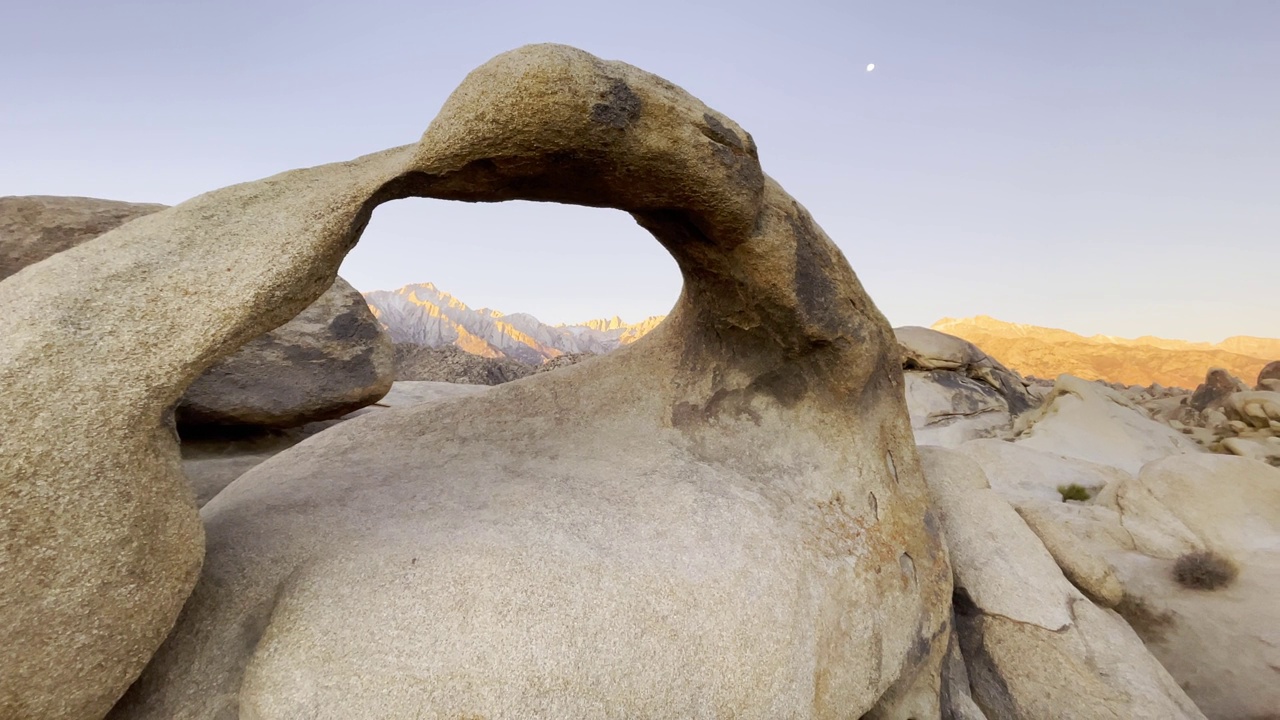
(1204, 570)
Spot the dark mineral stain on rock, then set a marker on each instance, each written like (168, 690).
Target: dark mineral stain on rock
(816, 293)
(620, 108)
(354, 325)
(717, 131)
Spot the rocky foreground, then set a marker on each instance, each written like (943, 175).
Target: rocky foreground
(771, 506)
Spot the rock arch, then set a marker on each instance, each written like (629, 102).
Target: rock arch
(739, 442)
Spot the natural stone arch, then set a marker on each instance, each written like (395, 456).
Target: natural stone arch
(774, 375)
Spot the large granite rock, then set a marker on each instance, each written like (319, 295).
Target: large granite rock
(331, 359)
(1034, 646)
(1218, 385)
(1095, 423)
(1222, 644)
(725, 518)
(955, 392)
(1269, 377)
(212, 461)
(100, 542)
(33, 227)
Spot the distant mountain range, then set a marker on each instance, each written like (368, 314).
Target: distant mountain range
(423, 314)
(1049, 352)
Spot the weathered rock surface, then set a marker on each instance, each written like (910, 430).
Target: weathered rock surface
(1034, 646)
(1091, 422)
(1017, 471)
(328, 361)
(948, 408)
(33, 227)
(1218, 385)
(212, 462)
(955, 392)
(1269, 375)
(925, 349)
(1223, 645)
(726, 517)
(100, 542)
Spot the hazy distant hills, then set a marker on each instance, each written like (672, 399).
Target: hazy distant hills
(1049, 352)
(423, 314)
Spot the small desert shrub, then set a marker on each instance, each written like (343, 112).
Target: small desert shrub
(1204, 570)
(1073, 492)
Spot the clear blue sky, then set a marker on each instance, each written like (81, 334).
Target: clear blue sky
(1109, 167)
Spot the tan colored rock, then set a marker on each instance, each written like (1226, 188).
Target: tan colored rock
(212, 462)
(726, 518)
(948, 408)
(100, 542)
(1076, 535)
(1033, 645)
(330, 360)
(924, 349)
(1091, 422)
(1222, 645)
(1255, 408)
(1019, 472)
(33, 227)
(1268, 375)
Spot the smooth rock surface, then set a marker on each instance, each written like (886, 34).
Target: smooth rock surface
(330, 360)
(1085, 420)
(1017, 471)
(1223, 645)
(948, 408)
(725, 518)
(212, 463)
(1033, 645)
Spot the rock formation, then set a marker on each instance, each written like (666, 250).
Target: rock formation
(329, 360)
(1097, 424)
(1122, 548)
(955, 392)
(731, 520)
(1036, 647)
(34, 227)
(1213, 392)
(1269, 377)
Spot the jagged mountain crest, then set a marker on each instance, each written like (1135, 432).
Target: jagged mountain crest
(423, 314)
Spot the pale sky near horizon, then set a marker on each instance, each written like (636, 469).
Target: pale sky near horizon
(1103, 167)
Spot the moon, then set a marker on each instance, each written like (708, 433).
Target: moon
(871, 67)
